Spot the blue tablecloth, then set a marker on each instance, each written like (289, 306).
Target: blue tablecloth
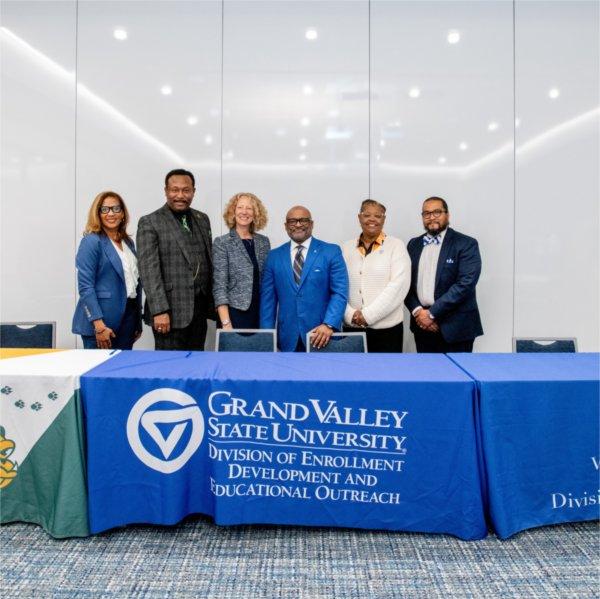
(539, 427)
(367, 441)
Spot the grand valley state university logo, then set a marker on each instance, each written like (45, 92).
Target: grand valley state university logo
(167, 420)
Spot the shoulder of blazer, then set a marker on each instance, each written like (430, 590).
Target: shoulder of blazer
(89, 240)
(201, 216)
(455, 236)
(414, 241)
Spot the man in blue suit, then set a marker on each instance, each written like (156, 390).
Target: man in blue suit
(304, 286)
(445, 268)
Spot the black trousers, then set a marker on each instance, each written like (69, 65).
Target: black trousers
(434, 343)
(190, 338)
(382, 340)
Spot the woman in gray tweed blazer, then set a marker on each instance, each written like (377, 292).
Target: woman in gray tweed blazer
(238, 260)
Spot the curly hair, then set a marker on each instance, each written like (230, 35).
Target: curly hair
(94, 224)
(260, 212)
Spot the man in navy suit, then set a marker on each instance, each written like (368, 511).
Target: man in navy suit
(304, 286)
(445, 268)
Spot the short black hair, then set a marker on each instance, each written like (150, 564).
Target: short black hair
(369, 202)
(181, 172)
(436, 198)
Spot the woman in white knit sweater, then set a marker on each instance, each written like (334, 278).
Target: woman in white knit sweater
(379, 271)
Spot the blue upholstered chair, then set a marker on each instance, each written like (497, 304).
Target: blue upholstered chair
(341, 343)
(27, 334)
(537, 345)
(260, 340)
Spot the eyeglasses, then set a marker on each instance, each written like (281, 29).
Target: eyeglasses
(432, 213)
(293, 222)
(115, 209)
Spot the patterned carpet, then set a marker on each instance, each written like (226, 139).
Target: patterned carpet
(198, 559)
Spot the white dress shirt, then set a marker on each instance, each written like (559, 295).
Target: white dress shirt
(130, 268)
(294, 248)
(426, 272)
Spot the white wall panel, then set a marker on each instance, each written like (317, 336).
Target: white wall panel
(38, 171)
(274, 77)
(430, 96)
(557, 265)
(129, 134)
(256, 106)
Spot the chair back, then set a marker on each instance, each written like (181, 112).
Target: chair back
(566, 345)
(259, 340)
(341, 343)
(28, 334)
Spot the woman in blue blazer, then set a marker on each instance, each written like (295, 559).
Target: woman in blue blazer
(238, 261)
(108, 314)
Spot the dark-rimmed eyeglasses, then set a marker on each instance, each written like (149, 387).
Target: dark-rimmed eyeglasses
(115, 209)
(293, 222)
(432, 213)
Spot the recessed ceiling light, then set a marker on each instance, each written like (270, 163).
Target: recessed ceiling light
(303, 142)
(166, 90)
(192, 120)
(307, 90)
(414, 92)
(382, 143)
(305, 121)
(228, 155)
(553, 93)
(208, 139)
(311, 34)
(453, 36)
(334, 113)
(493, 126)
(280, 132)
(378, 157)
(120, 34)
(517, 123)
(463, 145)
(302, 157)
(442, 160)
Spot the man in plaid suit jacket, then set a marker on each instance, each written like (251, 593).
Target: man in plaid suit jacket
(175, 264)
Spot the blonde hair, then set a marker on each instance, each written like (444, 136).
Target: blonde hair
(260, 212)
(94, 224)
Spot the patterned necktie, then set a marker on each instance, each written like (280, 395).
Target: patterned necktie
(428, 239)
(298, 264)
(184, 223)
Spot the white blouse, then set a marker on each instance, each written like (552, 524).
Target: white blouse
(130, 268)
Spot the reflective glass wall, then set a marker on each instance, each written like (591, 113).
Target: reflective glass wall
(493, 105)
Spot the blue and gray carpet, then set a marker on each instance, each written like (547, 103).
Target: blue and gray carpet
(199, 559)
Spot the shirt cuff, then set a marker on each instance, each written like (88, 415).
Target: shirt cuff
(416, 310)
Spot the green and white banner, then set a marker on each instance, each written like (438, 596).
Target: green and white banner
(42, 467)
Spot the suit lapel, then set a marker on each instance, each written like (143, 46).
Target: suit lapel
(444, 253)
(204, 234)
(311, 255)
(111, 254)
(286, 263)
(239, 244)
(173, 225)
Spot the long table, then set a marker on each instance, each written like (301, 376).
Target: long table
(367, 441)
(399, 442)
(539, 417)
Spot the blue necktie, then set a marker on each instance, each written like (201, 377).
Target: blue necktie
(428, 239)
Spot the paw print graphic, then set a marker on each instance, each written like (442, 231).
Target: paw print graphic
(6, 390)
(20, 403)
(37, 406)
(53, 395)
